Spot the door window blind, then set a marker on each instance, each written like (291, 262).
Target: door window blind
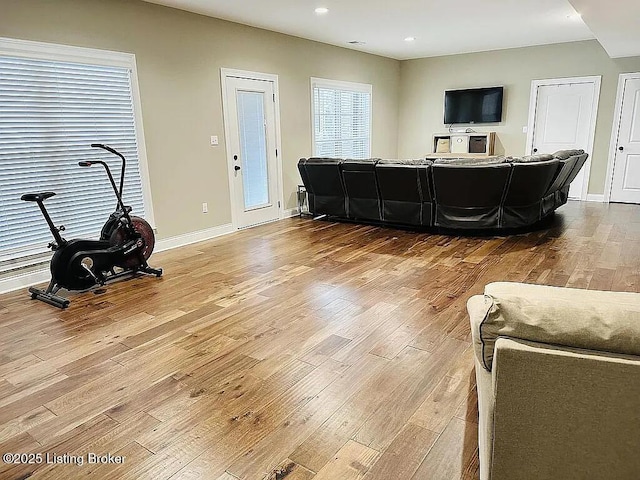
(342, 119)
(50, 113)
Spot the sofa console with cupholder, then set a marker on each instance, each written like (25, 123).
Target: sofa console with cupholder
(452, 193)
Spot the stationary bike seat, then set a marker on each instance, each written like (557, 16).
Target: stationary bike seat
(37, 197)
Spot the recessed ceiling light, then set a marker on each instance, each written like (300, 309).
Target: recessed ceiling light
(321, 10)
(409, 39)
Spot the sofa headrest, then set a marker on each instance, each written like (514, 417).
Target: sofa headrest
(359, 164)
(472, 161)
(564, 154)
(406, 162)
(324, 161)
(570, 317)
(541, 157)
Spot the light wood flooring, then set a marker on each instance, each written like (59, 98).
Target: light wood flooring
(297, 350)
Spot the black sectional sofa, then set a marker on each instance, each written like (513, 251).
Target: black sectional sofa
(460, 193)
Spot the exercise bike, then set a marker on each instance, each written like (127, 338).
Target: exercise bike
(126, 243)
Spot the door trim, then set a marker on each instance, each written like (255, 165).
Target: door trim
(533, 101)
(615, 132)
(226, 73)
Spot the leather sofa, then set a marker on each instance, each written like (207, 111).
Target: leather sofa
(459, 193)
(557, 374)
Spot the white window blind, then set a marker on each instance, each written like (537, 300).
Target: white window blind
(50, 114)
(342, 119)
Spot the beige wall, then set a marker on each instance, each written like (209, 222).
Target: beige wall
(423, 83)
(179, 56)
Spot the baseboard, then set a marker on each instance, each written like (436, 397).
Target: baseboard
(193, 237)
(24, 280)
(595, 197)
(292, 212)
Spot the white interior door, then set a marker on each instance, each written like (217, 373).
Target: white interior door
(252, 150)
(564, 117)
(626, 170)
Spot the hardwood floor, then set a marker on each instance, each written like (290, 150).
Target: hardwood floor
(297, 350)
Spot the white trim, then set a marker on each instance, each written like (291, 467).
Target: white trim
(92, 56)
(193, 237)
(340, 85)
(24, 280)
(143, 165)
(596, 197)
(267, 77)
(615, 132)
(596, 80)
(47, 51)
(292, 212)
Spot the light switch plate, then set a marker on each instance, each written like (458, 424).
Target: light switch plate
(214, 140)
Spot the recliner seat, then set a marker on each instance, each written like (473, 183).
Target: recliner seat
(405, 191)
(529, 181)
(361, 187)
(469, 196)
(325, 186)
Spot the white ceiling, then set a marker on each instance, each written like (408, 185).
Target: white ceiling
(441, 27)
(615, 24)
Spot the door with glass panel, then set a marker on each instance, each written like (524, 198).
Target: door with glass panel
(251, 128)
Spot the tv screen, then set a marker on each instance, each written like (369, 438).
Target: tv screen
(476, 105)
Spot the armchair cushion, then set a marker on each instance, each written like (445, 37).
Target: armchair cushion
(575, 318)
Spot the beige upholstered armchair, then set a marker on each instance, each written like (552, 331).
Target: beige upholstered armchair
(558, 378)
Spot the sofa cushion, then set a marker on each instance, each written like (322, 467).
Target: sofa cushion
(541, 157)
(564, 154)
(587, 319)
(472, 161)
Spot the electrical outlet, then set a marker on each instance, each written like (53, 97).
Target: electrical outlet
(214, 140)
(205, 207)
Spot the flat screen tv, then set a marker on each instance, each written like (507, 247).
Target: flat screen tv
(474, 105)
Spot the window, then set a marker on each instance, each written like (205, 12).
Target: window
(341, 119)
(54, 102)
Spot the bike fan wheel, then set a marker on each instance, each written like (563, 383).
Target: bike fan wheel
(145, 231)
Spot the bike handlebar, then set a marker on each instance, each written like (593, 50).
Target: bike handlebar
(105, 147)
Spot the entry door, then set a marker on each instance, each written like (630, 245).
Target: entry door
(251, 130)
(565, 118)
(626, 170)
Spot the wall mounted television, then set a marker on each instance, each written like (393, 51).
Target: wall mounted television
(473, 105)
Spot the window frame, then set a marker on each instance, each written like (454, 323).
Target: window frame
(340, 85)
(89, 56)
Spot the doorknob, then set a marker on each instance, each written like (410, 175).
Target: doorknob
(621, 149)
(236, 168)
(535, 150)
(235, 157)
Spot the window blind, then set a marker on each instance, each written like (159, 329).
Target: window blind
(342, 121)
(50, 113)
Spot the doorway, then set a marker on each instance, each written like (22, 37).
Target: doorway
(251, 124)
(623, 172)
(562, 115)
